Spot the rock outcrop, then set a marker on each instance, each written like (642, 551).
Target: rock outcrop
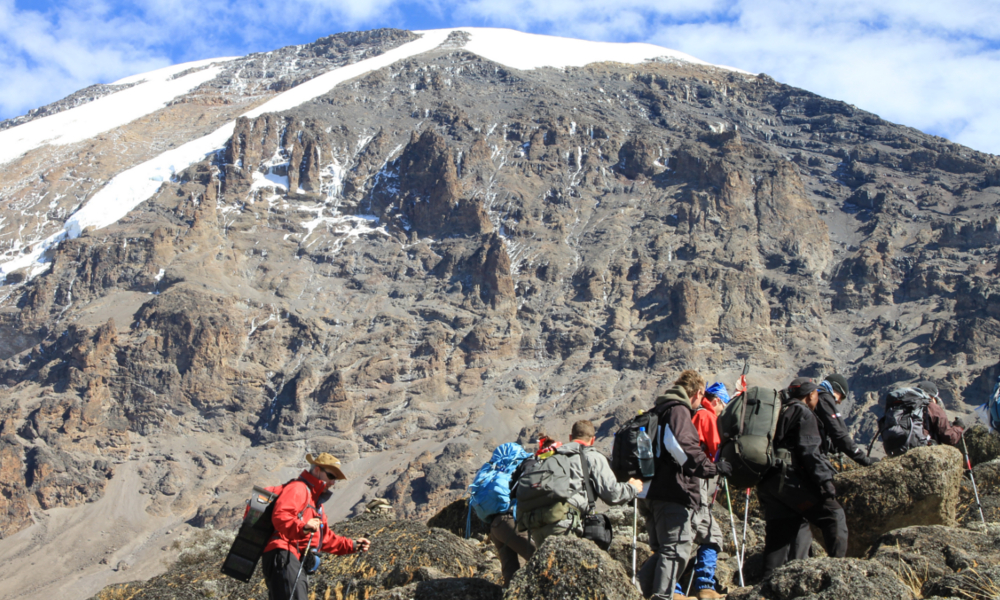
(919, 488)
(568, 568)
(828, 579)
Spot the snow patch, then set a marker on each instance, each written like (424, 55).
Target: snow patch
(86, 121)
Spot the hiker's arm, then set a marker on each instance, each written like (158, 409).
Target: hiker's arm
(835, 427)
(336, 544)
(811, 459)
(286, 512)
(697, 464)
(606, 486)
(942, 431)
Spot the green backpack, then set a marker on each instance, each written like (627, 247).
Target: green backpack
(747, 428)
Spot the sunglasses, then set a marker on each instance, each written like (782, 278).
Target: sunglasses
(329, 475)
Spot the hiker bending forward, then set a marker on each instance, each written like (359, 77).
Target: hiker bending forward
(299, 520)
(566, 518)
(801, 488)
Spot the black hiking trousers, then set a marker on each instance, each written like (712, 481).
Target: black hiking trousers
(786, 514)
(280, 568)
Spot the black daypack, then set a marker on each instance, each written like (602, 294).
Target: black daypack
(902, 427)
(747, 427)
(254, 533)
(625, 449)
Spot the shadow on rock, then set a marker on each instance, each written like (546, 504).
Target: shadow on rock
(828, 579)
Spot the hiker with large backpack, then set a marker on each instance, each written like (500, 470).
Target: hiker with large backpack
(913, 419)
(674, 493)
(300, 525)
(708, 538)
(800, 486)
(556, 491)
(492, 501)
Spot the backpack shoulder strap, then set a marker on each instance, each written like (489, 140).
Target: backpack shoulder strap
(591, 503)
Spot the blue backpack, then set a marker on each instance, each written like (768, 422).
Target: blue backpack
(990, 412)
(490, 489)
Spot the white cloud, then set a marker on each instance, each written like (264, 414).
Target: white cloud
(934, 66)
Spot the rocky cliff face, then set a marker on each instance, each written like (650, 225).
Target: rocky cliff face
(432, 256)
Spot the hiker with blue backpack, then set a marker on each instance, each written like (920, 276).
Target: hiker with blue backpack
(491, 499)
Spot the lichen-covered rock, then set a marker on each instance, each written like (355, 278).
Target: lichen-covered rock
(983, 446)
(919, 488)
(570, 568)
(452, 588)
(828, 579)
(973, 584)
(935, 551)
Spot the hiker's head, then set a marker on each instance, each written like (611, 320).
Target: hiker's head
(839, 385)
(693, 384)
(543, 441)
(326, 468)
(717, 394)
(583, 432)
(806, 390)
(931, 389)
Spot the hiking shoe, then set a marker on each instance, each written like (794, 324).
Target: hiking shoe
(681, 597)
(709, 593)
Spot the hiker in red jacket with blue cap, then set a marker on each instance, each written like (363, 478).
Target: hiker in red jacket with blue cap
(300, 523)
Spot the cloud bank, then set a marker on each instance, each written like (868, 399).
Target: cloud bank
(933, 66)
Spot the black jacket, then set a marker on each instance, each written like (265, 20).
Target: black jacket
(798, 431)
(671, 482)
(833, 430)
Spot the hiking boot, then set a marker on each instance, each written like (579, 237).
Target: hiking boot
(709, 593)
(681, 597)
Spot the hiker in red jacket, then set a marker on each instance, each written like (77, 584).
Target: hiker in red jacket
(299, 521)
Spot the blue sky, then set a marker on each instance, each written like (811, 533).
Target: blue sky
(933, 66)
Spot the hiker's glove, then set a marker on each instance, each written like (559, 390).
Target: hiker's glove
(827, 490)
(723, 468)
(865, 461)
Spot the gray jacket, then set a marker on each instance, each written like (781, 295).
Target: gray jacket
(602, 478)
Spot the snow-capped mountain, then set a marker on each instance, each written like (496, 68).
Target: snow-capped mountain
(406, 247)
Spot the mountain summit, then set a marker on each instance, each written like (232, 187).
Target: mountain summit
(404, 248)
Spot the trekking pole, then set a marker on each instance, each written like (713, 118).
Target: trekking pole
(687, 592)
(732, 529)
(968, 463)
(746, 517)
(635, 534)
(302, 564)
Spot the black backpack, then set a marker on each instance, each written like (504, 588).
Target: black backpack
(902, 427)
(625, 449)
(255, 532)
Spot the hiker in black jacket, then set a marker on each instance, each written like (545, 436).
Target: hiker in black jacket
(674, 493)
(832, 391)
(801, 488)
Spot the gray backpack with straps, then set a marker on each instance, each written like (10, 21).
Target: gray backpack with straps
(747, 427)
(545, 487)
(902, 427)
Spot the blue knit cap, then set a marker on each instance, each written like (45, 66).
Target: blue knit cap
(718, 389)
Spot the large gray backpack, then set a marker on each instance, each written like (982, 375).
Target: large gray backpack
(545, 487)
(747, 428)
(902, 427)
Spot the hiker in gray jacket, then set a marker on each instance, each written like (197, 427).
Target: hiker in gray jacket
(602, 480)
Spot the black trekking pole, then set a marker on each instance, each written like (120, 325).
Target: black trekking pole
(975, 490)
(302, 564)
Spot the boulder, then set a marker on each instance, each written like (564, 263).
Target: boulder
(828, 579)
(973, 584)
(570, 568)
(931, 552)
(919, 488)
(983, 446)
(454, 588)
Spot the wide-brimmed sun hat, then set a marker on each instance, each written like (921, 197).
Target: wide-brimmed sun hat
(328, 463)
